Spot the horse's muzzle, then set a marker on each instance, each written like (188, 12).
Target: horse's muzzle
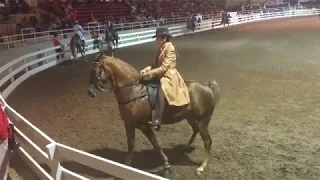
(92, 92)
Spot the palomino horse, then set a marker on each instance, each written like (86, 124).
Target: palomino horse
(112, 36)
(76, 45)
(135, 109)
(191, 24)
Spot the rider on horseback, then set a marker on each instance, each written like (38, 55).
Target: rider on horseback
(77, 29)
(108, 28)
(108, 24)
(172, 87)
(111, 35)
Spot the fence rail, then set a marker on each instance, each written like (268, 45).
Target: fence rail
(29, 35)
(38, 148)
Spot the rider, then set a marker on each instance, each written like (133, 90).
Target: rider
(77, 29)
(108, 25)
(163, 70)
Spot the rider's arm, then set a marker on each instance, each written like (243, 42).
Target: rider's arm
(81, 29)
(169, 58)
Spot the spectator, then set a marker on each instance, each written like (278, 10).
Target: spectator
(56, 42)
(96, 41)
(4, 148)
(92, 18)
(73, 16)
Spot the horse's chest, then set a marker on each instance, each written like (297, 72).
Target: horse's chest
(128, 112)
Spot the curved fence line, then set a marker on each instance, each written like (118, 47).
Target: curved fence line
(29, 35)
(37, 148)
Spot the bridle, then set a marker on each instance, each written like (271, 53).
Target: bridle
(100, 86)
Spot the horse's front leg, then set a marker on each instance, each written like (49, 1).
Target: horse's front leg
(114, 44)
(130, 132)
(83, 54)
(148, 132)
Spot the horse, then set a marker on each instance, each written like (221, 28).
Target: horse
(76, 45)
(225, 19)
(136, 110)
(191, 24)
(112, 36)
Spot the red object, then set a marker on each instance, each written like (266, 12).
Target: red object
(56, 42)
(73, 15)
(4, 125)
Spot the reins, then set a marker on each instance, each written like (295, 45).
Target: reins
(135, 82)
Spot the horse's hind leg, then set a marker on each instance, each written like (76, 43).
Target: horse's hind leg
(117, 42)
(204, 133)
(195, 130)
(148, 132)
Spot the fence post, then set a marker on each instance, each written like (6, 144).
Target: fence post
(27, 68)
(55, 167)
(12, 78)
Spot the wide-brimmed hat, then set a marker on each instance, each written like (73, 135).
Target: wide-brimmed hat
(162, 31)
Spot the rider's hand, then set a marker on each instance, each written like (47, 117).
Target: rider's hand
(143, 72)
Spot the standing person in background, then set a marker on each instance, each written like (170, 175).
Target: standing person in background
(4, 148)
(96, 41)
(56, 42)
(73, 16)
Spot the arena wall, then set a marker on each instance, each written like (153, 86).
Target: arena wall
(38, 147)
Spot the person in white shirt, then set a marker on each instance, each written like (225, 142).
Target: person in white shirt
(77, 29)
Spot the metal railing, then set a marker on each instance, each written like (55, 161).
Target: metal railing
(30, 36)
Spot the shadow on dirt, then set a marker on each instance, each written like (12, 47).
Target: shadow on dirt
(146, 160)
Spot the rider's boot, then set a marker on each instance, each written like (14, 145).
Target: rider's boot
(155, 122)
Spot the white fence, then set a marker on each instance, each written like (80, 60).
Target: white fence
(37, 148)
(29, 35)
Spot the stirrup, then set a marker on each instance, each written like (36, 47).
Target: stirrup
(154, 124)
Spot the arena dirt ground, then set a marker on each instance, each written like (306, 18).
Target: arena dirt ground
(265, 127)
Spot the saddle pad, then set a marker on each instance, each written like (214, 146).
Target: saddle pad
(152, 90)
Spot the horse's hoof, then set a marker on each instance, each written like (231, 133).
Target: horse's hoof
(167, 173)
(200, 171)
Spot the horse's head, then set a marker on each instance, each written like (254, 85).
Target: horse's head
(115, 71)
(100, 75)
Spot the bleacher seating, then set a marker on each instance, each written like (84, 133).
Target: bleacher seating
(100, 11)
(117, 10)
(14, 7)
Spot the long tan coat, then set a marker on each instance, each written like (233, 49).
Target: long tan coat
(173, 86)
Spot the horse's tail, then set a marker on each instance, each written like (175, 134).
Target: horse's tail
(73, 47)
(215, 88)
